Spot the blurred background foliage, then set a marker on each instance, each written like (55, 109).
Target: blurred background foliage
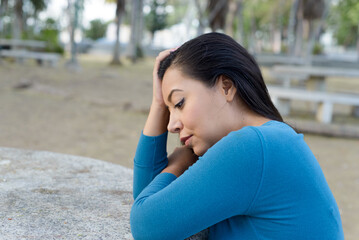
(292, 27)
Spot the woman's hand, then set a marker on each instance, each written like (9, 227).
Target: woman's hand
(157, 83)
(180, 160)
(158, 117)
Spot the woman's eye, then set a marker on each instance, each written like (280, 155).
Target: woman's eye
(180, 104)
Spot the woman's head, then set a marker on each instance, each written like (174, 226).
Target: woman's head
(211, 55)
(212, 87)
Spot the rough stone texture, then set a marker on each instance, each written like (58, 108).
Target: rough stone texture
(47, 195)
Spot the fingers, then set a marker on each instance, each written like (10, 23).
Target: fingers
(162, 55)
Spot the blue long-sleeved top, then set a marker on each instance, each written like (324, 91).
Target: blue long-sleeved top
(255, 183)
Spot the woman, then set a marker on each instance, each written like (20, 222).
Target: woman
(255, 177)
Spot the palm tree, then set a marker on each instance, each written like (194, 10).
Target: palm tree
(120, 9)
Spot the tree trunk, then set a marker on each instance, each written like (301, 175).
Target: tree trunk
(291, 27)
(278, 27)
(201, 21)
(314, 35)
(73, 9)
(299, 30)
(218, 10)
(72, 36)
(116, 50)
(120, 9)
(135, 46)
(240, 27)
(358, 43)
(17, 24)
(3, 9)
(230, 19)
(252, 42)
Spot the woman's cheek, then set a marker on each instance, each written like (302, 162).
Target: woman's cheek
(192, 116)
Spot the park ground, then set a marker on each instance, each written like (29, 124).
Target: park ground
(100, 110)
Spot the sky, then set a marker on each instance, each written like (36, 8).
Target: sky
(93, 9)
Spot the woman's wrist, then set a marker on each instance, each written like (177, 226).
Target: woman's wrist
(158, 106)
(157, 120)
(174, 170)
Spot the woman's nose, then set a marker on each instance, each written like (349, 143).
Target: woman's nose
(174, 124)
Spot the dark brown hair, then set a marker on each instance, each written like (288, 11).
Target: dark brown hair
(211, 55)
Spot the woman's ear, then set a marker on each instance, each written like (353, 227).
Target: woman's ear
(227, 88)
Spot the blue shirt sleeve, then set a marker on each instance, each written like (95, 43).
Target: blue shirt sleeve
(149, 161)
(221, 184)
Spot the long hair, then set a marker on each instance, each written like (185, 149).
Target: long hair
(211, 55)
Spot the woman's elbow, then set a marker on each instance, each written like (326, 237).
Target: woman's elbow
(140, 227)
(147, 226)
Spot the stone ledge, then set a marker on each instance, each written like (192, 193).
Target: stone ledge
(47, 195)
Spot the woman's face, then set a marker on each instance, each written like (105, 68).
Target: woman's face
(197, 112)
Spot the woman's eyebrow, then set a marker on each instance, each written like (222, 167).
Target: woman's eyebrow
(170, 95)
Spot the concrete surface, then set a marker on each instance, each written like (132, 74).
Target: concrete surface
(47, 195)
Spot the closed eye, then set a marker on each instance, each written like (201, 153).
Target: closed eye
(180, 104)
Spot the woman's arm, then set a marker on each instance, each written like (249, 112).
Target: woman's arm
(219, 185)
(149, 161)
(151, 155)
(158, 117)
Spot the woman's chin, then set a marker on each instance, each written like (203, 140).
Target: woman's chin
(199, 152)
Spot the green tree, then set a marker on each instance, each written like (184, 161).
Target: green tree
(96, 30)
(344, 19)
(19, 19)
(50, 34)
(38, 5)
(156, 19)
(265, 24)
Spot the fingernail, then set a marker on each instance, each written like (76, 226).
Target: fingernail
(174, 49)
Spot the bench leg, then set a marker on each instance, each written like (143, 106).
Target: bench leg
(283, 105)
(325, 112)
(315, 83)
(355, 111)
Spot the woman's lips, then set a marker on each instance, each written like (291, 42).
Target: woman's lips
(185, 140)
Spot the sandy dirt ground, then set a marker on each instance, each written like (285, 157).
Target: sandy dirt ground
(99, 112)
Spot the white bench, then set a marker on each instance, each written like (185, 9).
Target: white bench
(281, 97)
(51, 58)
(19, 43)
